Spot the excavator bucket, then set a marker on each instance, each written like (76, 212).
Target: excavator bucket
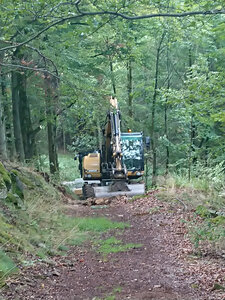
(110, 191)
(119, 186)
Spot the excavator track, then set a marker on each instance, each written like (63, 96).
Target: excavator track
(88, 191)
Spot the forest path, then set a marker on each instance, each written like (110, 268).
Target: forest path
(160, 268)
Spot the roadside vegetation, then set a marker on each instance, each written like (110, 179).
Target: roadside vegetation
(36, 226)
(204, 195)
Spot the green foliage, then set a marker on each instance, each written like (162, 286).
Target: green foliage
(68, 167)
(208, 179)
(211, 230)
(89, 57)
(42, 230)
(84, 143)
(212, 227)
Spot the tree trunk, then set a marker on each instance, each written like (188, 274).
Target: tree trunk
(191, 159)
(166, 135)
(10, 145)
(130, 88)
(154, 162)
(50, 95)
(25, 119)
(16, 117)
(3, 149)
(63, 139)
(166, 113)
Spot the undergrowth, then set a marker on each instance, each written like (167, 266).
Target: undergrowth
(204, 194)
(68, 167)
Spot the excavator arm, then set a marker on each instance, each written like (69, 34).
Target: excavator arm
(114, 168)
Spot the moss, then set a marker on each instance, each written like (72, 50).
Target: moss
(15, 172)
(11, 198)
(5, 176)
(14, 199)
(23, 178)
(3, 188)
(2, 183)
(17, 186)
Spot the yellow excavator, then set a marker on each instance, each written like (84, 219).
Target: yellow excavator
(109, 171)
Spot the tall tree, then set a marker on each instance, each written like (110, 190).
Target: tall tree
(154, 152)
(51, 97)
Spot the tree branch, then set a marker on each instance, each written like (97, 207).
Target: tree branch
(29, 68)
(44, 57)
(117, 14)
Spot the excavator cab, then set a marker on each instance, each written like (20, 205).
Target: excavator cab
(133, 154)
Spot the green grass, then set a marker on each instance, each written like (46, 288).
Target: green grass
(95, 224)
(7, 266)
(112, 245)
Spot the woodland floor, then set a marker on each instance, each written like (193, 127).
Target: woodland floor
(164, 267)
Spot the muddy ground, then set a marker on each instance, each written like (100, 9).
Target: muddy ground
(165, 267)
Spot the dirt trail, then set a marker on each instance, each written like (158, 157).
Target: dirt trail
(162, 268)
